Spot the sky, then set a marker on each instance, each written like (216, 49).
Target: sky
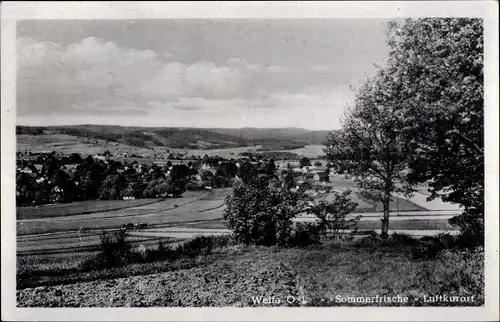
(194, 73)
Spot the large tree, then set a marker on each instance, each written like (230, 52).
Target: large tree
(438, 63)
(371, 145)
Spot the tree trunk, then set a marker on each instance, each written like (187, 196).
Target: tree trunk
(385, 220)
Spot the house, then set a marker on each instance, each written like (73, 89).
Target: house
(310, 176)
(263, 176)
(318, 169)
(283, 165)
(300, 182)
(99, 157)
(25, 170)
(321, 176)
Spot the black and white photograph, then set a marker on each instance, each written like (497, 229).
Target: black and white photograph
(252, 162)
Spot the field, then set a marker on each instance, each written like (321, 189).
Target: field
(78, 208)
(68, 144)
(229, 153)
(191, 207)
(202, 210)
(310, 151)
(80, 233)
(364, 224)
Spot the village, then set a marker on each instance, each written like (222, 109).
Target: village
(60, 176)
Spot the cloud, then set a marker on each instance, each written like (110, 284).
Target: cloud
(94, 77)
(315, 110)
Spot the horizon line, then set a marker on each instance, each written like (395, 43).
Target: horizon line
(176, 127)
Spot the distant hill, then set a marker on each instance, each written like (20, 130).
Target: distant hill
(187, 138)
(295, 135)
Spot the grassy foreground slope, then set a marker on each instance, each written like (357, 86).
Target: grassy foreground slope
(239, 275)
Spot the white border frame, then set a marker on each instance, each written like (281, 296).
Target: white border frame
(12, 11)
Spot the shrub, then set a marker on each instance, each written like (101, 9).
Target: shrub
(222, 240)
(403, 239)
(333, 216)
(305, 234)
(200, 245)
(115, 248)
(191, 186)
(368, 241)
(455, 272)
(162, 252)
(114, 251)
(260, 211)
(429, 247)
(258, 214)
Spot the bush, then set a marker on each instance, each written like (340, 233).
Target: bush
(455, 272)
(372, 233)
(260, 211)
(403, 239)
(191, 186)
(333, 216)
(429, 247)
(114, 251)
(222, 240)
(305, 234)
(200, 245)
(162, 252)
(373, 240)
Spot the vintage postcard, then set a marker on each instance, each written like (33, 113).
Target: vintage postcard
(283, 161)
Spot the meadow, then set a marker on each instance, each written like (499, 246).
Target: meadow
(67, 144)
(364, 224)
(79, 208)
(310, 151)
(173, 210)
